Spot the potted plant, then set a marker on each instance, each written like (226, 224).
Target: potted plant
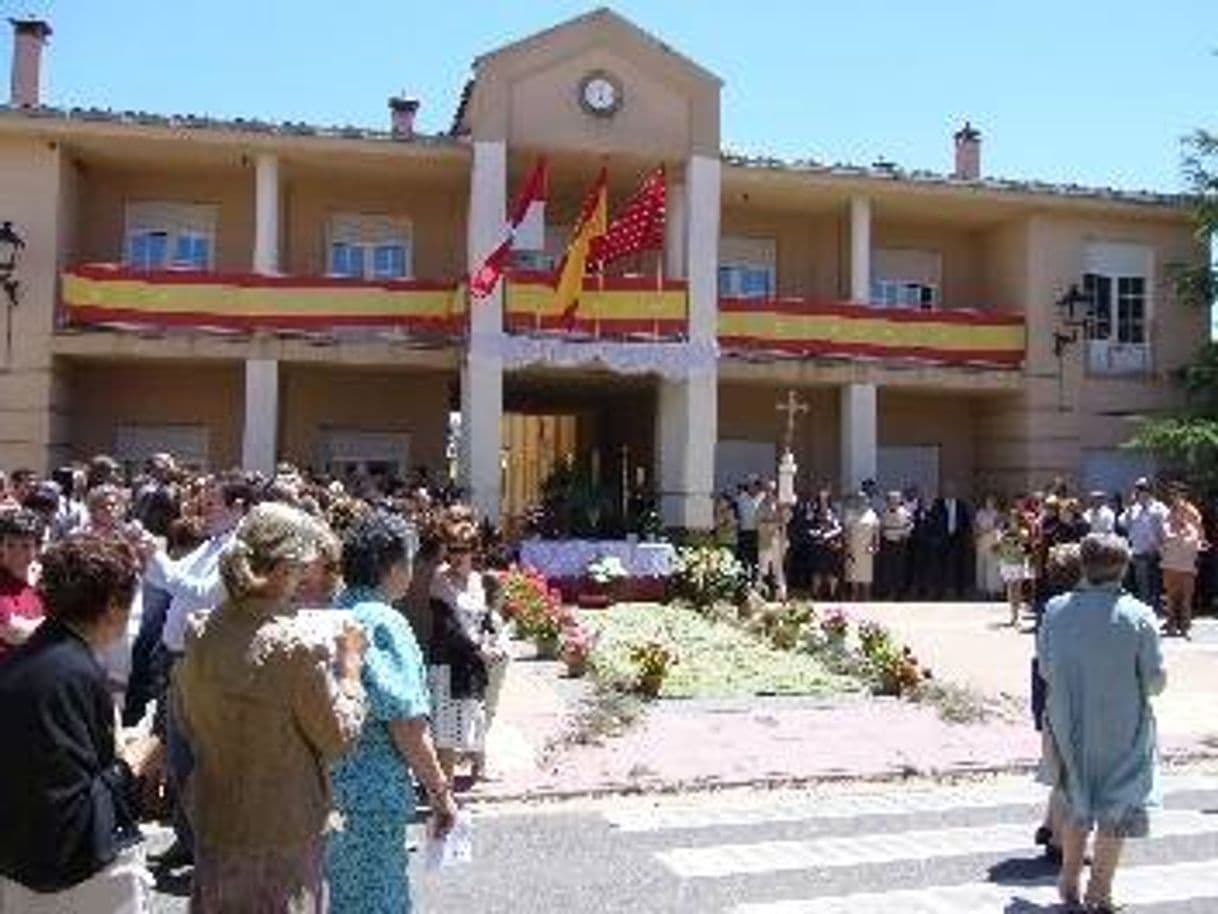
(653, 660)
(600, 582)
(577, 644)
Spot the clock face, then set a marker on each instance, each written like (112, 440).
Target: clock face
(600, 95)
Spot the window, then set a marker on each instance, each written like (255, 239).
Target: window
(896, 293)
(169, 236)
(1116, 285)
(906, 278)
(747, 267)
(134, 444)
(353, 452)
(746, 281)
(365, 246)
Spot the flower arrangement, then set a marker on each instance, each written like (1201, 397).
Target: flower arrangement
(652, 660)
(835, 626)
(706, 575)
(536, 611)
(894, 668)
(606, 569)
(577, 645)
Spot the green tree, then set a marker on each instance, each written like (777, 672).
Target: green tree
(1188, 439)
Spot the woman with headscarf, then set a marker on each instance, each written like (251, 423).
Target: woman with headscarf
(1099, 652)
(266, 710)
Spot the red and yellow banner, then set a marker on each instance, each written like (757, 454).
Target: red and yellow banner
(613, 306)
(103, 294)
(800, 327)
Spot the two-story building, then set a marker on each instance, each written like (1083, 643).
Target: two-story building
(242, 292)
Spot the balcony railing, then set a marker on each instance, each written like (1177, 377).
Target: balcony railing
(103, 295)
(621, 307)
(801, 327)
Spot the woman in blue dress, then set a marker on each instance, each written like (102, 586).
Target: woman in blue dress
(367, 862)
(1099, 653)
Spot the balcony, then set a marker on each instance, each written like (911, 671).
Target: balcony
(806, 328)
(108, 296)
(617, 307)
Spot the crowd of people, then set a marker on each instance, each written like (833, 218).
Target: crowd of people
(171, 640)
(902, 546)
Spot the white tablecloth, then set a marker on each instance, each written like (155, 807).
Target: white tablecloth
(571, 558)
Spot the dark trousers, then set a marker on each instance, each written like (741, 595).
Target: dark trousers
(144, 682)
(1147, 581)
(890, 563)
(746, 551)
(952, 565)
(179, 760)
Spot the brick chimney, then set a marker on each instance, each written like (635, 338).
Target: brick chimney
(29, 35)
(401, 116)
(968, 153)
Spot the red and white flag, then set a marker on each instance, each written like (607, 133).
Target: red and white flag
(527, 217)
(638, 227)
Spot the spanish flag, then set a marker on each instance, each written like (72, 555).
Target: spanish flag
(593, 222)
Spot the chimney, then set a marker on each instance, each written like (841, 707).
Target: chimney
(968, 153)
(29, 35)
(401, 116)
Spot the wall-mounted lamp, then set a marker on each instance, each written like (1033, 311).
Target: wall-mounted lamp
(1069, 307)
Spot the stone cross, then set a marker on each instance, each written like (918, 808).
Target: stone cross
(792, 406)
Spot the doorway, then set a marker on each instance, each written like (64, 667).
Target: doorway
(533, 445)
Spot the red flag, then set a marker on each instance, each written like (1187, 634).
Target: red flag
(639, 226)
(482, 283)
(529, 205)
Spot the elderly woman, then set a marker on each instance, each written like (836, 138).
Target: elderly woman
(71, 839)
(366, 861)
(266, 711)
(462, 647)
(1099, 653)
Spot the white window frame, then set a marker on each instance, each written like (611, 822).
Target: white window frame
(176, 223)
(1110, 268)
(906, 278)
(367, 233)
(748, 267)
(347, 450)
(134, 443)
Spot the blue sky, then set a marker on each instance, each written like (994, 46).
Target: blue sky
(1092, 91)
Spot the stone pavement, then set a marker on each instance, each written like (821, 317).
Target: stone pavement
(683, 744)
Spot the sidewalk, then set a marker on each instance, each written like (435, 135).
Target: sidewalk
(702, 744)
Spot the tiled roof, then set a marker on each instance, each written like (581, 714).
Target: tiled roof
(206, 122)
(887, 171)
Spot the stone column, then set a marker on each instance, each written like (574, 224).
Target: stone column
(860, 250)
(482, 367)
(858, 435)
(260, 433)
(687, 410)
(266, 215)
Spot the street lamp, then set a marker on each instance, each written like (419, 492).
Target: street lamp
(10, 250)
(1066, 306)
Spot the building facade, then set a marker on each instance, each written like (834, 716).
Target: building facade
(241, 292)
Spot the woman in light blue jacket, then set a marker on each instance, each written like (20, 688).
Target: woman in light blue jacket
(1100, 655)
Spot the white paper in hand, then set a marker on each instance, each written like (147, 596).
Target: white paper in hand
(455, 848)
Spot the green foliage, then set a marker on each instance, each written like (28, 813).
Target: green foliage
(707, 575)
(717, 659)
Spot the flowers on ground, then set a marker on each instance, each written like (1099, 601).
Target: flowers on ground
(706, 575)
(537, 611)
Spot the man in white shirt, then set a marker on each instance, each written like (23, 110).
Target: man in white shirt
(1143, 522)
(1098, 517)
(747, 503)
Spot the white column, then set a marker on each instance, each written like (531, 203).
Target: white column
(858, 435)
(482, 369)
(860, 250)
(702, 176)
(259, 435)
(266, 215)
(688, 409)
(676, 223)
